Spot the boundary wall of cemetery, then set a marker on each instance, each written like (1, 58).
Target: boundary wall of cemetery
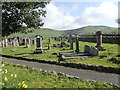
(106, 38)
(72, 65)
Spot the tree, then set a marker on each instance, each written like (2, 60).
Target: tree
(118, 20)
(16, 16)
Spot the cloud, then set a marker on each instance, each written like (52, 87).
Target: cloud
(103, 12)
(60, 17)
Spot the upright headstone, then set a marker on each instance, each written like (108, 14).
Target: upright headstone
(71, 42)
(3, 43)
(93, 51)
(14, 43)
(6, 42)
(99, 41)
(49, 44)
(87, 49)
(27, 42)
(77, 45)
(17, 42)
(39, 45)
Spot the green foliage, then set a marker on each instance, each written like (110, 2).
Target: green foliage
(14, 14)
(31, 78)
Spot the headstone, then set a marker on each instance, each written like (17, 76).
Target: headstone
(87, 49)
(39, 45)
(77, 45)
(6, 42)
(27, 42)
(3, 43)
(93, 51)
(48, 46)
(14, 44)
(71, 42)
(99, 41)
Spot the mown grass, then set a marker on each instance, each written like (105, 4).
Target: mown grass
(14, 76)
(102, 59)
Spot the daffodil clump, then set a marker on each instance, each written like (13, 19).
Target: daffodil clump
(23, 85)
(8, 78)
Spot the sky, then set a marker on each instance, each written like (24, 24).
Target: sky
(65, 14)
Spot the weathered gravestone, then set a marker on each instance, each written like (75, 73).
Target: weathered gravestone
(27, 42)
(99, 41)
(15, 42)
(77, 45)
(6, 42)
(33, 41)
(71, 42)
(3, 43)
(38, 45)
(93, 51)
(87, 49)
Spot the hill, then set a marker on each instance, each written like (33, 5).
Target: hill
(39, 31)
(92, 30)
(45, 32)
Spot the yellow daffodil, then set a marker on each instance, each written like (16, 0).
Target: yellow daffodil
(2, 71)
(6, 79)
(23, 82)
(25, 86)
(19, 84)
(11, 75)
(1, 83)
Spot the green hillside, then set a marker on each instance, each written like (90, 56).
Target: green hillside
(52, 33)
(39, 31)
(92, 30)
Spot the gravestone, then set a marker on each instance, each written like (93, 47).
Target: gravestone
(48, 46)
(27, 43)
(93, 51)
(77, 45)
(87, 49)
(6, 42)
(99, 41)
(15, 42)
(3, 43)
(38, 45)
(71, 42)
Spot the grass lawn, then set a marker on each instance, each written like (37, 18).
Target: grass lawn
(102, 59)
(14, 76)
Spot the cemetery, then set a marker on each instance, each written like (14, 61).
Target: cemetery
(68, 53)
(78, 52)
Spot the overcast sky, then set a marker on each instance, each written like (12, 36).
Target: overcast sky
(75, 14)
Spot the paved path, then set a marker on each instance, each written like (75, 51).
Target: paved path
(85, 74)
